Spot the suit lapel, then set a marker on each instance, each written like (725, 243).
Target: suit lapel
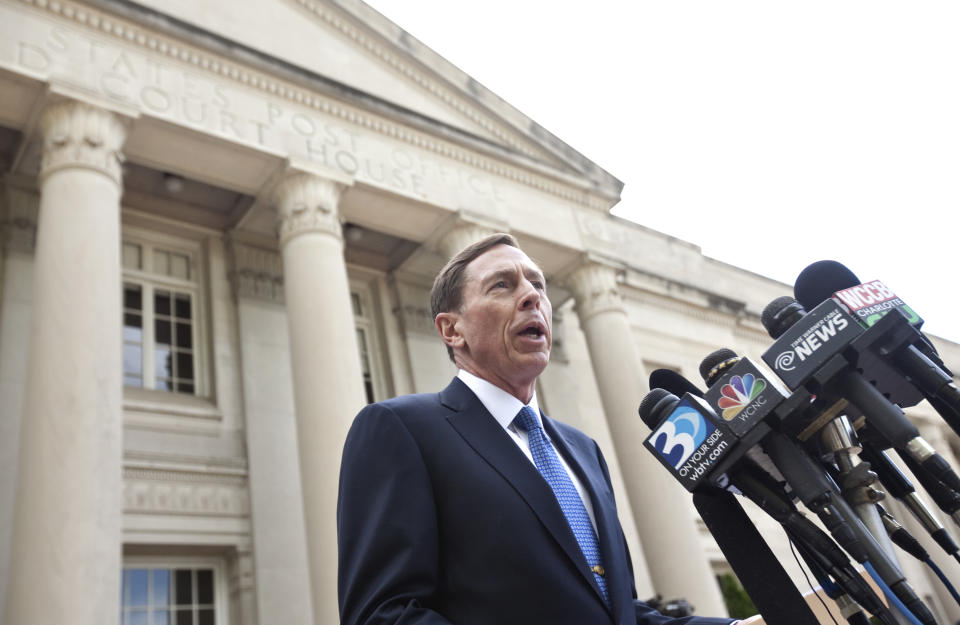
(482, 432)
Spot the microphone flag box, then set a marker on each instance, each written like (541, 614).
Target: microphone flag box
(689, 443)
(743, 397)
(809, 343)
(871, 300)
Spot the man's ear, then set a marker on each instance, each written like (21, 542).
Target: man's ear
(446, 324)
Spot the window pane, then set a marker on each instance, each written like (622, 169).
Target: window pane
(160, 617)
(355, 303)
(137, 618)
(131, 297)
(183, 306)
(131, 256)
(162, 384)
(183, 586)
(185, 617)
(161, 362)
(186, 388)
(161, 587)
(179, 268)
(161, 302)
(133, 360)
(133, 380)
(205, 587)
(185, 365)
(161, 329)
(138, 587)
(184, 338)
(161, 262)
(362, 346)
(205, 617)
(132, 328)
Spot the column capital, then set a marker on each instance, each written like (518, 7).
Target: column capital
(306, 203)
(78, 134)
(461, 229)
(594, 288)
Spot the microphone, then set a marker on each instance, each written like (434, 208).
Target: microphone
(868, 301)
(818, 341)
(755, 565)
(911, 353)
(758, 485)
(739, 388)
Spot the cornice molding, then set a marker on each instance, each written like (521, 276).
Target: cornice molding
(123, 31)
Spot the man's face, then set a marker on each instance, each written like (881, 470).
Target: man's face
(505, 319)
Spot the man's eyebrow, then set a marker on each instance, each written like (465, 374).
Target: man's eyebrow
(500, 274)
(531, 273)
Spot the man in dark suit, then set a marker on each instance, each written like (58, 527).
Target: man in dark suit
(469, 506)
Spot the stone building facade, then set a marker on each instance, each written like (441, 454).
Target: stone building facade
(220, 222)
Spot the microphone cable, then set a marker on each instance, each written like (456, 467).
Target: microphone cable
(890, 595)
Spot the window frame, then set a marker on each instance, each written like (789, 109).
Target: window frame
(221, 599)
(369, 322)
(149, 282)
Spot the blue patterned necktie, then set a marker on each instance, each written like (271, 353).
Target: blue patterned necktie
(548, 463)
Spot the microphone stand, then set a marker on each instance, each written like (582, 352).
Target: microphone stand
(839, 440)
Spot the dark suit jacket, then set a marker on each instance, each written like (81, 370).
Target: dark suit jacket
(443, 519)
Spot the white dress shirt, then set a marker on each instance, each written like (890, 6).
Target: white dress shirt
(504, 407)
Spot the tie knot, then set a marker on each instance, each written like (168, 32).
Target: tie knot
(526, 420)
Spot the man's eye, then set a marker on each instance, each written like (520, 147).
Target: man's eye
(537, 284)
(500, 284)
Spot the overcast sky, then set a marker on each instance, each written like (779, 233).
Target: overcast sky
(771, 134)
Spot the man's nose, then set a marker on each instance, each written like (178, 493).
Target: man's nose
(530, 295)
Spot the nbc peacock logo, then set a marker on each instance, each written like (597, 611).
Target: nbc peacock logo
(737, 393)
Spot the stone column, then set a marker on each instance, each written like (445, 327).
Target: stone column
(460, 236)
(327, 378)
(661, 507)
(65, 559)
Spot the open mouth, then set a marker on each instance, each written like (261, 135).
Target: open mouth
(533, 330)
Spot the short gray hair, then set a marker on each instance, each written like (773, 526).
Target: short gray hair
(447, 292)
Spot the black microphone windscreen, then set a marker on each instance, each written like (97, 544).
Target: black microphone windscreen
(647, 405)
(674, 382)
(820, 280)
(712, 360)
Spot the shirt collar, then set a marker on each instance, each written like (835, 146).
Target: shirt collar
(501, 404)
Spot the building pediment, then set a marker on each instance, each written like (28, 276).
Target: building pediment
(367, 57)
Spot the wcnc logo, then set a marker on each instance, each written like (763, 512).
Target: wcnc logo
(738, 393)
